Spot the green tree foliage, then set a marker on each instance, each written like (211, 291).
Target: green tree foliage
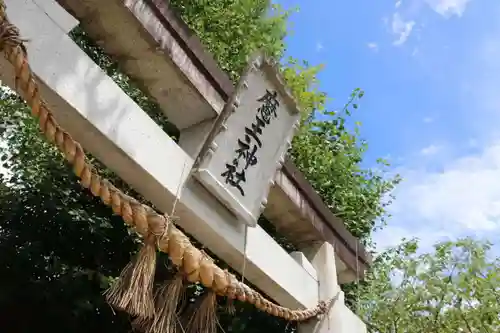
(233, 29)
(455, 288)
(58, 245)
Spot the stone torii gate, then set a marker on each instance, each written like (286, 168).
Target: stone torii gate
(218, 125)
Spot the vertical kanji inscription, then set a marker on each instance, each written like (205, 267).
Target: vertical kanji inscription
(235, 173)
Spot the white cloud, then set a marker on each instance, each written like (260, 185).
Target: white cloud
(430, 150)
(373, 46)
(448, 8)
(401, 28)
(461, 199)
(428, 120)
(319, 46)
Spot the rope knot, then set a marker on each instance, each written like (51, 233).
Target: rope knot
(9, 33)
(323, 307)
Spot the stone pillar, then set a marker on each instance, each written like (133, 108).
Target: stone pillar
(322, 257)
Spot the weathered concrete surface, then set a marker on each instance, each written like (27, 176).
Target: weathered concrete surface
(340, 319)
(292, 214)
(129, 31)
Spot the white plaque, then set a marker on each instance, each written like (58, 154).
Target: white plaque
(250, 144)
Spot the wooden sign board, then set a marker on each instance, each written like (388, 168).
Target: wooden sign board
(251, 141)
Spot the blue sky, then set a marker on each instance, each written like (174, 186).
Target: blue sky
(431, 73)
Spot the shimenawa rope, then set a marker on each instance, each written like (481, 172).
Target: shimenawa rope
(147, 222)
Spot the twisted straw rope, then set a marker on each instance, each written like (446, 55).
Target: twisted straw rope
(196, 266)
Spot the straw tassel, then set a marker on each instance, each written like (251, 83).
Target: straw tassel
(230, 307)
(204, 318)
(133, 292)
(167, 300)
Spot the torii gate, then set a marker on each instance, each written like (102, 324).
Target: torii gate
(212, 207)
